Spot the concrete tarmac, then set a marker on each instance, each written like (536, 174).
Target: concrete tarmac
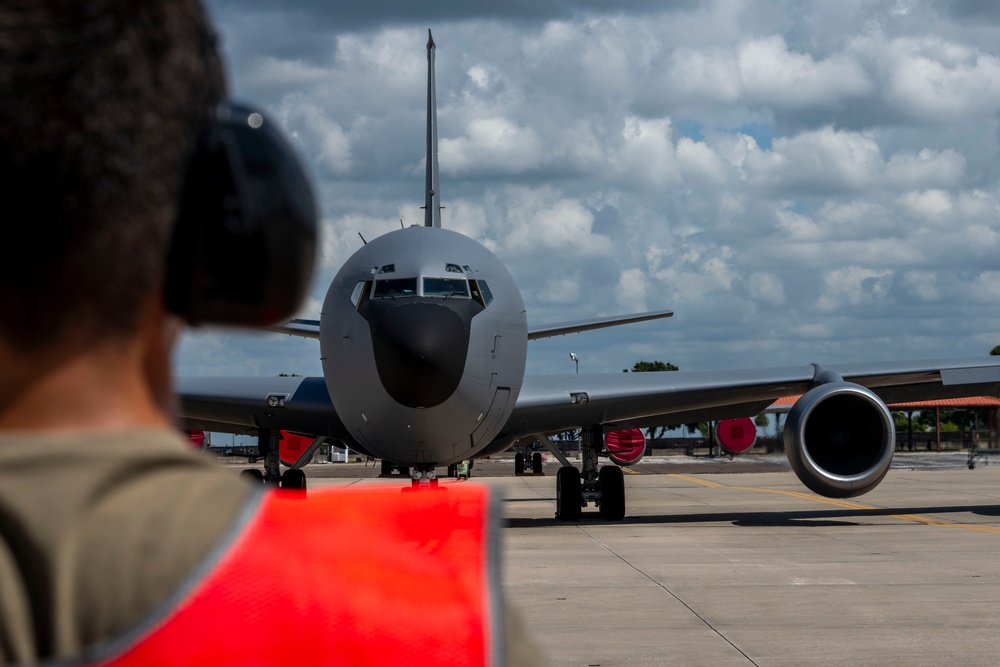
(753, 569)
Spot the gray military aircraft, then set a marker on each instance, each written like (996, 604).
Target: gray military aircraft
(423, 340)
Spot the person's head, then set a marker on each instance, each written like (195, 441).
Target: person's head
(100, 106)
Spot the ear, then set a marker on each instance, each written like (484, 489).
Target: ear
(245, 239)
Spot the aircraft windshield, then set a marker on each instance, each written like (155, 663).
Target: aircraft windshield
(446, 287)
(398, 287)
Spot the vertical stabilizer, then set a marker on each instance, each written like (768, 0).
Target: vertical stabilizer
(432, 194)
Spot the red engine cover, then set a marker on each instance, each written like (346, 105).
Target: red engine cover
(736, 436)
(292, 446)
(625, 447)
(197, 438)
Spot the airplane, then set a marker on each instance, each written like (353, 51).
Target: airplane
(423, 340)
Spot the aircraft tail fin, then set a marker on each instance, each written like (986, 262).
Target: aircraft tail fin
(432, 189)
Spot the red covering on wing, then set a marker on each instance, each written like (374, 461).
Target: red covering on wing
(625, 447)
(736, 436)
(291, 447)
(197, 438)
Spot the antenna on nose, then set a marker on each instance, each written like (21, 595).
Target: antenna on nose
(432, 193)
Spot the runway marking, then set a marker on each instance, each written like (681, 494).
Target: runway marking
(844, 504)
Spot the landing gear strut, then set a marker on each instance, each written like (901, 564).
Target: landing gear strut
(605, 487)
(267, 445)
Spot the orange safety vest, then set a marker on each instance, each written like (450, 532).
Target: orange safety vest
(367, 576)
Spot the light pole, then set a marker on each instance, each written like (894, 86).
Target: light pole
(572, 355)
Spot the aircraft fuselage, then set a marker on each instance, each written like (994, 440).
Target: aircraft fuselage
(423, 340)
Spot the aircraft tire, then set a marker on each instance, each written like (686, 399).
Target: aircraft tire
(612, 483)
(536, 463)
(252, 475)
(293, 479)
(569, 495)
(519, 463)
(453, 470)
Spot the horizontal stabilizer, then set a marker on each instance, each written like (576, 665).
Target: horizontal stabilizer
(563, 328)
(304, 328)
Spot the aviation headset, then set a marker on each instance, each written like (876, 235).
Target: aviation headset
(245, 239)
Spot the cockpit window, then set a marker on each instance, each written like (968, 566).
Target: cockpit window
(487, 294)
(392, 289)
(481, 292)
(360, 292)
(452, 268)
(446, 287)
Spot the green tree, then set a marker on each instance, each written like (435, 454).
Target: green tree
(648, 366)
(654, 432)
(995, 351)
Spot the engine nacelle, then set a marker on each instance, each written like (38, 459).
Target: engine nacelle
(839, 439)
(625, 447)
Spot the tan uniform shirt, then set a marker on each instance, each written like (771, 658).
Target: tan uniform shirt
(95, 530)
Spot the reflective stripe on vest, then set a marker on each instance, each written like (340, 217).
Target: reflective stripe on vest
(361, 576)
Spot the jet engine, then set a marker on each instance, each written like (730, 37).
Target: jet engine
(625, 448)
(839, 439)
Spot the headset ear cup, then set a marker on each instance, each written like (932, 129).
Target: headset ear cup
(245, 239)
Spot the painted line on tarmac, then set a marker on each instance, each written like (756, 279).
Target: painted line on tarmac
(844, 504)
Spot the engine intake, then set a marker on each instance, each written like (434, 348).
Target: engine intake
(839, 439)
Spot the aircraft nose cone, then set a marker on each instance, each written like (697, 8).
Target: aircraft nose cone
(420, 351)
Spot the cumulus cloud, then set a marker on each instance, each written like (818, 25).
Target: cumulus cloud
(925, 168)
(931, 79)
(823, 160)
(766, 72)
(766, 287)
(319, 136)
(539, 220)
(819, 174)
(853, 285)
(646, 156)
(492, 144)
(773, 75)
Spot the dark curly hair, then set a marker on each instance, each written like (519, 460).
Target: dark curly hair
(100, 104)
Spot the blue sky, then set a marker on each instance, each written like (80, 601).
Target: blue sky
(800, 181)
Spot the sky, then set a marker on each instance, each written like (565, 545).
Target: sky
(799, 181)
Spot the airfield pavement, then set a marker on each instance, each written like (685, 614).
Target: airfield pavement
(719, 564)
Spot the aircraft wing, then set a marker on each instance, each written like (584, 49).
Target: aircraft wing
(553, 403)
(310, 328)
(563, 328)
(303, 328)
(244, 404)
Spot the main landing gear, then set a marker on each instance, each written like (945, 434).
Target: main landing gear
(267, 444)
(423, 478)
(521, 457)
(604, 487)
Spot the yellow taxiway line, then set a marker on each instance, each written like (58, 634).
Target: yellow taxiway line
(844, 504)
